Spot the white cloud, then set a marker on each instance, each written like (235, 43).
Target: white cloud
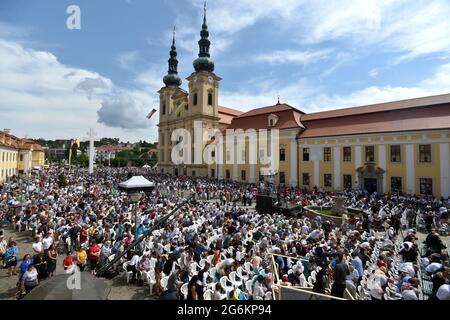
(293, 56)
(129, 60)
(310, 98)
(439, 83)
(373, 73)
(411, 29)
(266, 93)
(39, 96)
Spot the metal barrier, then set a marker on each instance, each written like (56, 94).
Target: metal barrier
(101, 270)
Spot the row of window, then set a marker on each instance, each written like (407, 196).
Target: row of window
(425, 184)
(394, 152)
(9, 156)
(7, 172)
(195, 102)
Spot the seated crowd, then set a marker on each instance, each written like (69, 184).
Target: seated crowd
(213, 248)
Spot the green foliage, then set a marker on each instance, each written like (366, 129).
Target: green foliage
(119, 162)
(62, 181)
(82, 160)
(107, 141)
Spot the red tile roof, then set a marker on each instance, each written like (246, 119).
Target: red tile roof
(288, 117)
(270, 109)
(380, 107)
(394, 120)
(112, 148)
(226, 115)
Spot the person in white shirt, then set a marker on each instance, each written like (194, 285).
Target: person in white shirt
(30, 279)
(258, 288)
(433, 267)
(47, 241)
(132, 266)
(37, 246)
(409, 294)
(352, 280)
(217, 292)
(443, 292)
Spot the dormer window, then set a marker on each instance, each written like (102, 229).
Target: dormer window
(272, 120)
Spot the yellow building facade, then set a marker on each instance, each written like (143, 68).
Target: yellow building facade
(401, 146)
(18, 156)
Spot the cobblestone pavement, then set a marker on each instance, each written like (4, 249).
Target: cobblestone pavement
(119, 289)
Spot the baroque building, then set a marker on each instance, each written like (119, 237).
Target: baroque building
(401, 146)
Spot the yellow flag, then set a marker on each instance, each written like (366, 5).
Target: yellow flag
(180, 107)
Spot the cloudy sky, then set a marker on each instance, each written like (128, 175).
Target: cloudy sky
(316, 55)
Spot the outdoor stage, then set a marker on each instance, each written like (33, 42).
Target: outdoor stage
(268, 204)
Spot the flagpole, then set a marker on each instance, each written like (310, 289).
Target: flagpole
(70, 157)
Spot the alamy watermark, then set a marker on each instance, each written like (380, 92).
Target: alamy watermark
(212, 147)
(74, 19)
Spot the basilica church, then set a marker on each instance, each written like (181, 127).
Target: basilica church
(401, 146)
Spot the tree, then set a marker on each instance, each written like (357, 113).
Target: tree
(62, 181)
(82, 160)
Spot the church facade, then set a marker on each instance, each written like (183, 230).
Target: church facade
(400, 146)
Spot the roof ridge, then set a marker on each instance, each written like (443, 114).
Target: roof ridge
(379, 107)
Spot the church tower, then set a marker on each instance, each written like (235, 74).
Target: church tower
(170, 97)
(203, 94)
(204, 83)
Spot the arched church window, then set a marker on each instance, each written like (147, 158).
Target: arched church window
(195, 99)
(210, 99)
(164, 108)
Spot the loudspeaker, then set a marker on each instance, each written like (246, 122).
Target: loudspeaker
(264, 204)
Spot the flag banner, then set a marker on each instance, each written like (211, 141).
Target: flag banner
(151, 114)
(75, 142)
(180, 107)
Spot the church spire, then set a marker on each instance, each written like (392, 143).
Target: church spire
(204, 62)
(172, 79)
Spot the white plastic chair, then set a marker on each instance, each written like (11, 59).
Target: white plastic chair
(151, 280)
(249, 286)
(184, 290)
(202, 263)
(268, 295)
(224, 283)
(208, 295)
(248, 267)
(195, 268)
(128, 274)
(234, 278)
(240, 272)
(164, 282)
(212, 272)
(311, 281)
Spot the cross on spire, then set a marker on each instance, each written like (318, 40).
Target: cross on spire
(173, 36)
(204, 12)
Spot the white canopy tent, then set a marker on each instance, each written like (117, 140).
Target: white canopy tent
(137, 182)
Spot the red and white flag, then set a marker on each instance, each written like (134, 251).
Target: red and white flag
(151, 114)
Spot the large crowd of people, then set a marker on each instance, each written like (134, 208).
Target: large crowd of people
(216, 246)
